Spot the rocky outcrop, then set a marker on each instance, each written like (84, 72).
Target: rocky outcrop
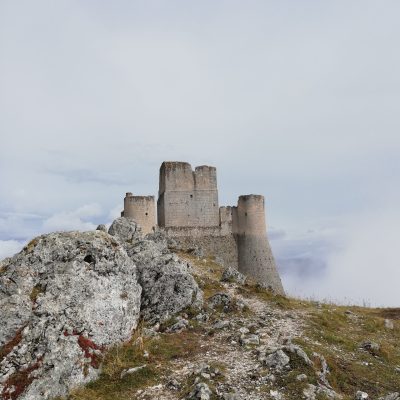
(168, 287)
(64, 299)
(126, 230)
(232, 275)
(391, 396)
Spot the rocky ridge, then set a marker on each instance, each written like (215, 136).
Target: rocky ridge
(168, 287)
(241, 342)
(246, 343)
(69, 296)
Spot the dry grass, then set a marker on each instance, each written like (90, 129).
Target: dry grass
(31, 245)
(162, 351)
(251, 289)
(338, 332)
(333, 331)
(37, 289)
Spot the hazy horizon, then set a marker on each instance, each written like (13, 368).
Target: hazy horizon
(298, 101)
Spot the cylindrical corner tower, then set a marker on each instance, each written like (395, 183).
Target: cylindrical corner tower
(254, 252)
(142, 209)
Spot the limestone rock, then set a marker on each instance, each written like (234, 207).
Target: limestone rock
(196, 251)
(130, 371)
(276, 395)
(231, 396)
(64, 299)
(312, 392)
(309, 392)
(391, 396)
(301, 377)
(322, 374)
(233, 275)
(361, 395)
(371, 347)
(101, 227)
(168, 287)
(222, 300)
(277, 360)
(180, 325)
(327, 392)
(201, 391)
(126, 230)
(249, 340)
(292, 348)
(221, 324)
(173, 384)
(389, 324)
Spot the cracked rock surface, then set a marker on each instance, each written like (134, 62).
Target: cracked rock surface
(68, 296)
(64, 299)
(168, 286)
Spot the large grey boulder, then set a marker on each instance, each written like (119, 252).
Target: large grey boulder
(277, 360)
(232, 275)
(312, 392)
(168, 287)
(126, 230)
(391, 396)
(64, 299)
(201, 391)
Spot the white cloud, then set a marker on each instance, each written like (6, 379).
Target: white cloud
(88, 211)
(367, 269)
(78, 219)
(19, 226)
(358, 263)
(9, 248)
(116, 211)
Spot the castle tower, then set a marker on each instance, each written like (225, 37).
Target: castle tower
(255, 257)
(187, 198)
(142, 209)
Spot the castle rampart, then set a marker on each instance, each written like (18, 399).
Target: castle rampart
(188, 211)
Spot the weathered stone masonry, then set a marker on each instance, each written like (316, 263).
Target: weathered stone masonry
(188, 211)
(186, 197)
(142, 209)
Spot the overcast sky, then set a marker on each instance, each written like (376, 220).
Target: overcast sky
(295, 100)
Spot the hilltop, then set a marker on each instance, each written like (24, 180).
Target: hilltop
(250, 344)
(121, 316)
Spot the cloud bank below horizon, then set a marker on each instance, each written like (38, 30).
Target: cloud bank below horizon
(355, 264)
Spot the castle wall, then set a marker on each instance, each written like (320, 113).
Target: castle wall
(187, 198)
(226, 219)
(210, 240)
(142, 209)
(255, 257)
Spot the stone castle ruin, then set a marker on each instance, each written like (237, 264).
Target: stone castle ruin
(188, 212)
